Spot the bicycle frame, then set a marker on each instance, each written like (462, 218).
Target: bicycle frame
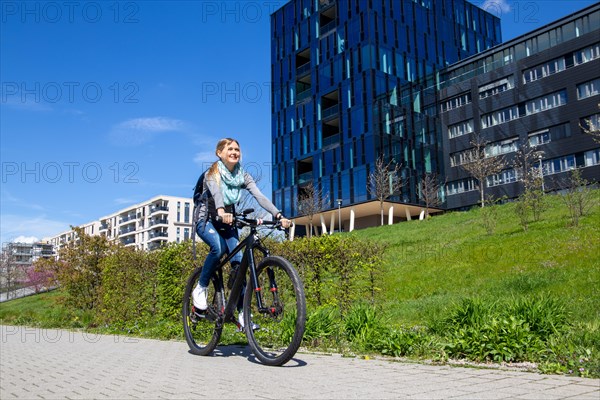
(251, 242)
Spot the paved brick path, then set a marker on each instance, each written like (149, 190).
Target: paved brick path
(44, 363)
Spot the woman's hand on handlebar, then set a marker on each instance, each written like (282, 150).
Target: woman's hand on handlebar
(285, 223)
(226, 217)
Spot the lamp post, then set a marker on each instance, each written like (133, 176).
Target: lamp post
(339, 202)
(540, 154)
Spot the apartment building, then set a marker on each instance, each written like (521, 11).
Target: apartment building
(538, 90)
(337, 67)
(147, 225)
(24, 254)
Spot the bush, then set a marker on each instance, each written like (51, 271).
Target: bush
(129, 286)
(175, 264)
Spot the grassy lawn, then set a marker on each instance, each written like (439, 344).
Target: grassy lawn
(431, 264)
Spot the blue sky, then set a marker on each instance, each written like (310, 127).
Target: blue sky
(107, 104)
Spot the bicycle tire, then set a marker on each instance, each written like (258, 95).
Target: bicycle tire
(202, 329)
(283, 319)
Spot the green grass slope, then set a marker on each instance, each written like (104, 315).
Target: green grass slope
(431, 264)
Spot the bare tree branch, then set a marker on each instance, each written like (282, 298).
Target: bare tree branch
(480, 166)
(384, 181)
(310, 202)
(591, 126)
(429, 191)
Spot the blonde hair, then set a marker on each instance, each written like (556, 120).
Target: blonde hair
(214, 168)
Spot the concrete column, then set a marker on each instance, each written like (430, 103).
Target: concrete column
(407, 214)
(332, 224)
(292, 231)
(391, 215)
(351, 220)
(323, 226)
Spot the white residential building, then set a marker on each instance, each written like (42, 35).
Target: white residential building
(146, 225)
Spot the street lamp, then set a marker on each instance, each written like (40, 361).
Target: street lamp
(540, 154)
(339, 202)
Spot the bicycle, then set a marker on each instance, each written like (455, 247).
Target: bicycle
(279, 312)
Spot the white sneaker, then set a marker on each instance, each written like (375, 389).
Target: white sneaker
(199, 297)
(241, 322)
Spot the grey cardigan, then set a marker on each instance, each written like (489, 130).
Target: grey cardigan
(212, 186)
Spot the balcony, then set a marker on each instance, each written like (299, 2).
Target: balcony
(331, 140)
(156, 209)
(103, 226)
(127, 231)
(157, 234)
(325, 4)
(303, 95)
(330, 112)
(305, 177)
(303, 69)
(328, 27)
(128, 240)
(163, 221)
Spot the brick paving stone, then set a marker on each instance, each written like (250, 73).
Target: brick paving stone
(46, 363)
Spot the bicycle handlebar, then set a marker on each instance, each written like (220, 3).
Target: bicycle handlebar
(241, 220)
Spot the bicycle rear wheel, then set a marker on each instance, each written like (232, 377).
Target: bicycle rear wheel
(202, 328)
(280, 322)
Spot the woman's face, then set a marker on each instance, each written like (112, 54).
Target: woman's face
(230, 155)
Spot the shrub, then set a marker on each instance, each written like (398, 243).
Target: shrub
(175, 263)
(129, 285)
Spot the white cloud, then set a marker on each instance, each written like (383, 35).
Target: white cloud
(26, 239)
(15, 226)
(137, 131)
(496, 7)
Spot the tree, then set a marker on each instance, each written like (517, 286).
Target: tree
(577, 196)
(384, 181)
(310, 202)
(429, 191)
(591, 126)
(529, 171)
(480, 166)
(78, 269)
(10, 271)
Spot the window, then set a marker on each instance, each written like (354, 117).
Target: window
(499, 117)
(456, 102)
(592, 157)
(461, 186)
(539, 137)
(186, 215)
(499, 86)
(544, 70)
(460, 158)
(557, 165)
(504, 177)
(462, 128)
(588, 54)
(591, 123)
(547, 102)
(502, 147)
(588, 89)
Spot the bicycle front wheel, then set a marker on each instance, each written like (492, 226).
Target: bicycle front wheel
(275, 327)
(202, 328)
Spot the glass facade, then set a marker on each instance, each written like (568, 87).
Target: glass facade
(348, 86)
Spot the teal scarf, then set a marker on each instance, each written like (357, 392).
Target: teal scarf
(231, 183)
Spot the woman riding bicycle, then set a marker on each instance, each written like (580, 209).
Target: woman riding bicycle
(224, 181)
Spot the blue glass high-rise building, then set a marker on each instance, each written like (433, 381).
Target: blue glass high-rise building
(343, 73)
